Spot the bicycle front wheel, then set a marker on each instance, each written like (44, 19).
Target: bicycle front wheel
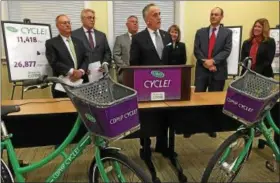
(6, 175)
(130, 172)
(219, 168)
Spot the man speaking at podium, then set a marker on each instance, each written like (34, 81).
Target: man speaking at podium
(148, 47)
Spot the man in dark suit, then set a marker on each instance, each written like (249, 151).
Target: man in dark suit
(95, 41)
(212, 46)
(66, 54)
(149, 47)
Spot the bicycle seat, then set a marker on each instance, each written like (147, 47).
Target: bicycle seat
(5, 110)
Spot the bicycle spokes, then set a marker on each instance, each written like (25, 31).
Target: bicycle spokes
(118, 172)
(225, 166)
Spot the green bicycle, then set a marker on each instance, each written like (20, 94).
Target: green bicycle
(100, 105)
(249, 100)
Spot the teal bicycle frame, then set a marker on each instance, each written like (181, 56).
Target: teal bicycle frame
(68, 158)
(267, 134)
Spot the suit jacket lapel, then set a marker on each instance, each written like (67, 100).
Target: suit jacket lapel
(64, 48)
(163, 35)
(97, 38)
(207, 38)
(218, 39)
(127, 41)
(84, 36)
(77, 51)
(150, 41)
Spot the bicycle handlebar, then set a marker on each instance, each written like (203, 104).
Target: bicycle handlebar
(45, 81)
(246, 63)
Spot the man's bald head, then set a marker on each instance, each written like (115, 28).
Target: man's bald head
(63, 25)
(216, 16)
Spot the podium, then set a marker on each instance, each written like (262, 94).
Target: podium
(160, 82)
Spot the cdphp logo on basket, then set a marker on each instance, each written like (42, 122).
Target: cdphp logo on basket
(90, 117)
(126, 115)
(242, 106)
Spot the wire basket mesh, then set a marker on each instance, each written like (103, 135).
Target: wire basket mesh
(103, 93)
(256, 85)
(250, 96)
(108, 109)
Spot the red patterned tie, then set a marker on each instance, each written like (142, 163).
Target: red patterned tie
(211, 43)
(91, 43)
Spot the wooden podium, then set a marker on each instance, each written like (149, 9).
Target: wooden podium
(160, 82)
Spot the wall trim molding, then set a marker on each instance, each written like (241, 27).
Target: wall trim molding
(182, 18)
(86, 4)
(110, 30)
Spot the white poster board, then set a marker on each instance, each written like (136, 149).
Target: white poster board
(274, 33)
(25, 50)
(234, 57)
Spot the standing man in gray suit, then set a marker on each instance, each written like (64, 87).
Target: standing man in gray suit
(212, 46)
(95, 41)
(122, 45)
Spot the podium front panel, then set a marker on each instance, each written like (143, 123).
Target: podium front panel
(158, 84)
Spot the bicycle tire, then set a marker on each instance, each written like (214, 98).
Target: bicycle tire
(6, 175)
(109, 154)
(215, 158)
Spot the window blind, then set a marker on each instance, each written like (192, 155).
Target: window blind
(123, 9)
(46, 12)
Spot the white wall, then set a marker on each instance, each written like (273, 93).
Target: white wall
(4, 16)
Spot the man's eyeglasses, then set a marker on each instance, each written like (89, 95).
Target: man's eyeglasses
(90, 18)
(65, 23)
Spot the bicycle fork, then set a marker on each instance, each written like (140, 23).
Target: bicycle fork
(234, 166)
(104, 170)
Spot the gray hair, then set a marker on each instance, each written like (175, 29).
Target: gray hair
(132, 16)
(146, 9)
(58, 16)
(86, 11)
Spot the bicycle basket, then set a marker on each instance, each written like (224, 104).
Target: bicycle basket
(250, 96)
(107, 108)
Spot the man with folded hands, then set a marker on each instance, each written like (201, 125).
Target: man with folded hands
(66, 55)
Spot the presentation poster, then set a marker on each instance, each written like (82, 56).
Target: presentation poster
(234, 56)
(275, 64)
(25, 50)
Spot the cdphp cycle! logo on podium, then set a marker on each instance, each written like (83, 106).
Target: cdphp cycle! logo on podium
(157, 84)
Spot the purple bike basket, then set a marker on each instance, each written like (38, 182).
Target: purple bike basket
(249, 97)
(242, 106)
(107, 109)
(111, 121)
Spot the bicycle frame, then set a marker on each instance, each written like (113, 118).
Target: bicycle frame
(68, 159)
(267, 134)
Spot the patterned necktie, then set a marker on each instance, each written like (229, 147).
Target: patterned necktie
(91, 42)
(159, 44)
(211, 43)
(72, 49)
